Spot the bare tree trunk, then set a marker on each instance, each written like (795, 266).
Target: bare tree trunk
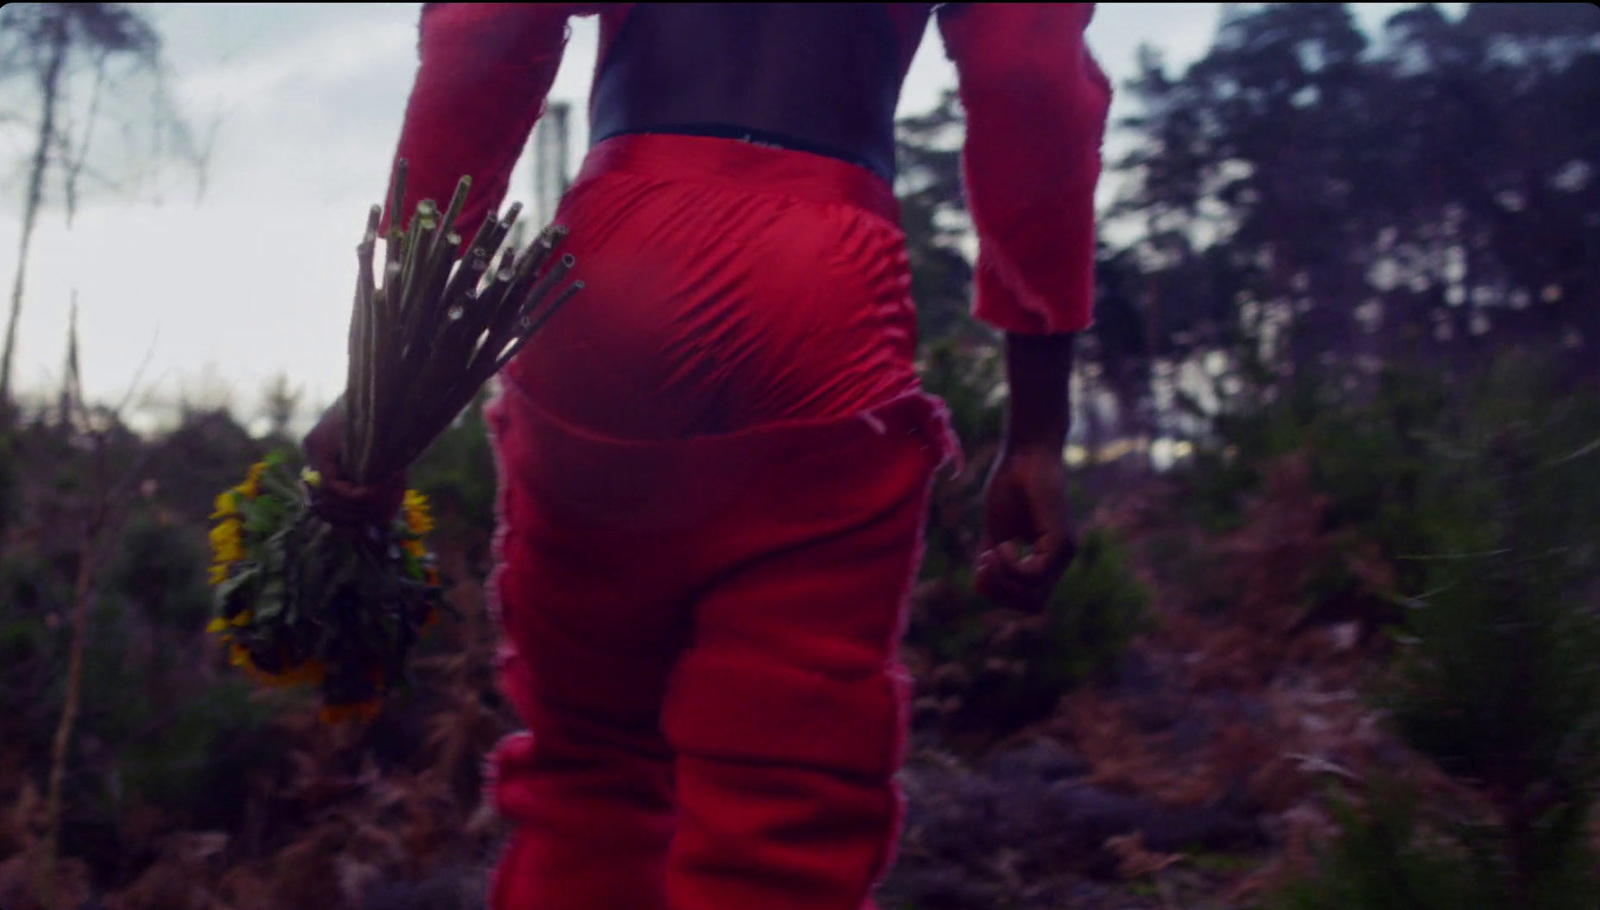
(83, 590)
(98, 511)
(50, 87)
(104, 515)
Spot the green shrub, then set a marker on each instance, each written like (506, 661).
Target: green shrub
(965, 379)
(206, 454)
(458, 474)
(156, 727)
(1496, 676)
(161, 566)
(197, 757)
(1229, 463)
(31, 652)
(1382, 862)
(1015, 669)
(1097, 610)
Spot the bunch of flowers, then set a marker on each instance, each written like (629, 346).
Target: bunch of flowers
(300, 601)
(311, 591)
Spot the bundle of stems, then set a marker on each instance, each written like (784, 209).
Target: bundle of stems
(303, 596)
(424, 342)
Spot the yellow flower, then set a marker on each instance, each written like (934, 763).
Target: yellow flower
(217, 625)
(418, 520)
(415, 548)
(312, 478)
(254, 477)
(252, 481)
(239, 656)
(243, 619)
(225, 545)
(226, 505)
(219, 574)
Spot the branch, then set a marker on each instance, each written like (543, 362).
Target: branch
(138, 376)
(103, 516)
(1589, 449)
(84, 170)
(201, 157)
(73, 163)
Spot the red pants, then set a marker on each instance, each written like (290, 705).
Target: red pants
(714, 472)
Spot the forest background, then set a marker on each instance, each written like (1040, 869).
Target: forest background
(1331, 641)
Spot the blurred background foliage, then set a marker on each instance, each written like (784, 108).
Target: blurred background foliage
(1344, 375)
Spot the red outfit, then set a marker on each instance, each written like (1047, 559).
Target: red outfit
(715, 462)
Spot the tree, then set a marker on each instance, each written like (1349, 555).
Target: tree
(280, 403)
(1253, 148)
(1121, 342)
(933, 213)
(50, 46)
(1430, 198)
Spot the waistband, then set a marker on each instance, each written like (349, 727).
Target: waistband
(745, 166)
(755, 136)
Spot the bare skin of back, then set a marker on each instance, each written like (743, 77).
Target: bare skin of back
(824, 73)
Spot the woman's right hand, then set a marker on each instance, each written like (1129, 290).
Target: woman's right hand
(1025, 502)
(333, 496)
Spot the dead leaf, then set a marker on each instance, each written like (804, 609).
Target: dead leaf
(1134, 861)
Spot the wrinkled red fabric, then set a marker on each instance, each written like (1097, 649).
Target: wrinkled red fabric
(1036, 104)
(715, 470)
(715, 462)
(705, 661)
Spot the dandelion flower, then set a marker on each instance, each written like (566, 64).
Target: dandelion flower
(251, 487)
(418, 519)
(225, 544)
(226, 505)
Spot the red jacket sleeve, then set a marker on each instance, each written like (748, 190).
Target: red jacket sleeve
(1036, 105)
(485, 71)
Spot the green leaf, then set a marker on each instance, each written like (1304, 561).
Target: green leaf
(225, 591)
(269, 603)
(283, 487)
(262, 518)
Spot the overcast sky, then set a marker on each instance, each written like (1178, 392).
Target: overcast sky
(255, 279)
